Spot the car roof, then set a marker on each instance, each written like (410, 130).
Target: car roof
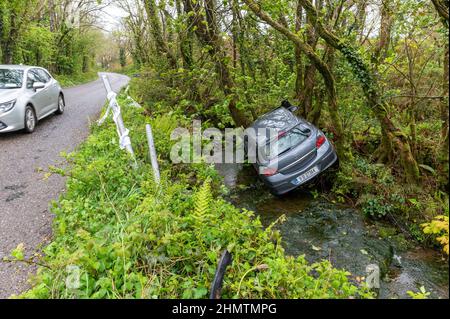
(18, 66)
(280, 119)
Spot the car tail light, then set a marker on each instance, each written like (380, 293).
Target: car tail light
(267, 171)
(320, 140)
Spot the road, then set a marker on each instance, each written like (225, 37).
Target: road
(24, 194)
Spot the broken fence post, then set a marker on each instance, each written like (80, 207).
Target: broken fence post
(152, 152)
(130, 98)
(122, 131)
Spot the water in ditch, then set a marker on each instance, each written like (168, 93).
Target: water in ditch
(320, 230)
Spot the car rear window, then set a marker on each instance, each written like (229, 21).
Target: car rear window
(286, 141)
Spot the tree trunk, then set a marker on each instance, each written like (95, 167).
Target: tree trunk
(298, 55)
(385, 31)
(441, 7)
(208, 34)
(239, 52)
(8, 40)
(412, 99)
(7, 53)
(361, 19)
(445, 104)
(444, 119)
(156, 29)
(185, 40)
(341, 139)
(306, 96)
(397, 142)
(316, 109)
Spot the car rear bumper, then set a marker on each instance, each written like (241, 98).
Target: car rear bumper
(280, 184)
(11, 121)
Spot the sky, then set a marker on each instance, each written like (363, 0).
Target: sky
(111, 17)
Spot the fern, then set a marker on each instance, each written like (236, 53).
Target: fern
(203, 199)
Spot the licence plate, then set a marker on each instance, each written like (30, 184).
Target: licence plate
(304, 177)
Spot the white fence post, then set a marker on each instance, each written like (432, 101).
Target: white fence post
(122, 131)
(152, 151)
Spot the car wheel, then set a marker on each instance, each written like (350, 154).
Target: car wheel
(61, 105)
(30, 119)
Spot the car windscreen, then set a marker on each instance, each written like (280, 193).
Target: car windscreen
(11, 78)
(286, 141)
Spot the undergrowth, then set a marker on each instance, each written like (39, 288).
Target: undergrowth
(381, 195)
(132, 238)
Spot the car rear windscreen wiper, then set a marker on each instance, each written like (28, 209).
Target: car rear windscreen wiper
(286, 150)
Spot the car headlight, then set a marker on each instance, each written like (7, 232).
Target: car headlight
(7, 106)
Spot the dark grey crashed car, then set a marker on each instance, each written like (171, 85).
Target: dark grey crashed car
(296, 154)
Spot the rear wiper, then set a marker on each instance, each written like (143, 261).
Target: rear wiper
(286, 150)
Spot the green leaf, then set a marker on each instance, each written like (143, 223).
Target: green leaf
(200, 292)
(17, 253)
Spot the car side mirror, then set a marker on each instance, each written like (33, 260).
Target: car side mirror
(292, 108)
(38, 85)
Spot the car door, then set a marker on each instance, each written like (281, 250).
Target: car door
(39, 98)
(52, 88)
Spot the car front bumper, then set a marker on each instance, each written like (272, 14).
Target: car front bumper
(12, 120)
(280, 184)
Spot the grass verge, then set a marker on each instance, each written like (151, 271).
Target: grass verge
(76, 79)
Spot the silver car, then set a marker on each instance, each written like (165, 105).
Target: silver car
(27, 95)
(298, 152)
